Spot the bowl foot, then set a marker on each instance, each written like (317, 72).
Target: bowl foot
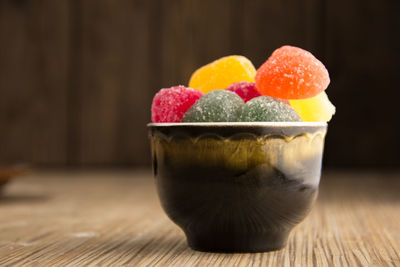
(231, 242)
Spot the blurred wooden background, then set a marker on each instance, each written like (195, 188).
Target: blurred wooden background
(77, 77)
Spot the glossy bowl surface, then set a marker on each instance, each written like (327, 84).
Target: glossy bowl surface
(237, 187)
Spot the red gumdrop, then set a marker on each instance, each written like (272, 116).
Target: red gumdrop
(292, 73)
(169, 104)
(246, 90)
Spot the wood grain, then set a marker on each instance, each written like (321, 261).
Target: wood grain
(267, 25)
(33, 81)
(113, 218)
(189, 40)
(77, 77)
(362, 63)
(112, 89)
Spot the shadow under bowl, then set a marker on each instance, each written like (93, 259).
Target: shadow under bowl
(237, 187)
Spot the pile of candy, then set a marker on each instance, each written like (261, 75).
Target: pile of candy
(289, 86)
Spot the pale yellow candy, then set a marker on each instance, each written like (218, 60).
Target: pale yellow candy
(222, 73)
(317, 108)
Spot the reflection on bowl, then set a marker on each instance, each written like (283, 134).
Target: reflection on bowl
(237, 187)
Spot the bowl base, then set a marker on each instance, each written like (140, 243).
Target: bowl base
(231, 243)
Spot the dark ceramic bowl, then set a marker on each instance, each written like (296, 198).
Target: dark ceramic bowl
(237, 187)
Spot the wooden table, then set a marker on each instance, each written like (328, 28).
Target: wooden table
(114, 218)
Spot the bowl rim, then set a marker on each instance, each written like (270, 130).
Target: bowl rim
(239, 124)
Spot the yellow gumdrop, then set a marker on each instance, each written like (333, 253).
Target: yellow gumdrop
(317, 108)
(222, 73)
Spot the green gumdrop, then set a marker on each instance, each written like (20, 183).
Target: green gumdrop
(215, 106)
(265, 108)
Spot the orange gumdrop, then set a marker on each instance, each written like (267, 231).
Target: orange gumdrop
(292, 73)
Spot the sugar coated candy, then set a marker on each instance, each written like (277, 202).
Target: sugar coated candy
(292, 73)
(169, 104)
(215, 106)
(222, 73)
(246, 90)
(265, 108)
(317, 108)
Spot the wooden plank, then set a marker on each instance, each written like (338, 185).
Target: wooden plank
(33, 81)
(113, 87)
(129, 51)
(266, 25)
(362, 57)
(136, 96)
(114, 218)
(77, 77)
(194, 33)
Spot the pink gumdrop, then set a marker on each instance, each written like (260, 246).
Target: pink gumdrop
(246, 90)
(169, 104)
